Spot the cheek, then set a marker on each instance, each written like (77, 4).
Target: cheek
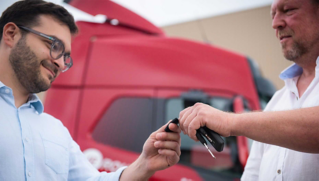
(44, 53)
(41, 51)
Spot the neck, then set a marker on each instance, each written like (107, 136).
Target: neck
(308, 65)
(8, 78)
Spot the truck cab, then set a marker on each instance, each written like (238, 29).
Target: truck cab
(130, 79)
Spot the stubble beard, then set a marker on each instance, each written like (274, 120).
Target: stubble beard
(27, 68)
(295, 52)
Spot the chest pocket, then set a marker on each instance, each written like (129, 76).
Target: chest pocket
(56, 156)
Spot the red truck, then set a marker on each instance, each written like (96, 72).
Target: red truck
(130, 79)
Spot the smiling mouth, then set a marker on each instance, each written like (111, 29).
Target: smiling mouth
(284, 37)
(52, 73)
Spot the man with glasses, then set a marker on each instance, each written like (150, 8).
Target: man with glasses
(35, 47)
(57, 48)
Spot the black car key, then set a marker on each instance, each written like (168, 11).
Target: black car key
(175, 121)
(214, 138)
(202, 140)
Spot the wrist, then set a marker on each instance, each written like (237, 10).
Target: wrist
(138, 170)
(143, 167)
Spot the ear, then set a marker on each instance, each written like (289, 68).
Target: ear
(11, 34)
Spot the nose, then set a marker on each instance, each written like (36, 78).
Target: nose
(278, 22)
(59, 63)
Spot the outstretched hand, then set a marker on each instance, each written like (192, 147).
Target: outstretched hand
(160, 151)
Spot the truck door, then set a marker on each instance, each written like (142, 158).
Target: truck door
(169, 104)
(110, 118)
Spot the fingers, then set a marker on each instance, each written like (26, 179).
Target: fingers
(169, 148)
(174, 128)
(165, 136)
(169, 143)
(193, 127)
(190, 120)
(182, 115)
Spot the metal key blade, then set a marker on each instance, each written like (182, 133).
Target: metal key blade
(209, 151)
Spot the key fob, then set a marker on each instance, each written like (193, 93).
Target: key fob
(214, 138)
(175, 121)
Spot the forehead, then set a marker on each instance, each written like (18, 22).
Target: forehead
(279, 5)
(52, 27)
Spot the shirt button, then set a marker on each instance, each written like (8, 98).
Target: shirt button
(279, 171)
(7, 91)
(29, 174)
(26, 139)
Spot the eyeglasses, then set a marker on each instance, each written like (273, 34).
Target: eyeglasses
(57, 48)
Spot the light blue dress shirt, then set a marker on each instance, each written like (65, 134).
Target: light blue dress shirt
(36, 146)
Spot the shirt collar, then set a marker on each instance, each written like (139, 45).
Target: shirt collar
(1, 84)
(33, 100)
(293, 71)
(36, 103)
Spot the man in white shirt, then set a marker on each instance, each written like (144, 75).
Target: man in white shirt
(286, 133)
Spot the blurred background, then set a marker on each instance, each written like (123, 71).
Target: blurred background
(240, 26)
(159, 60)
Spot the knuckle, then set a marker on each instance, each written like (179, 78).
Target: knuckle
(181, 114)
(176, 146)
(197, 104)
(201, 112)
(185, 125)
(171, 153)
(192, 125)
(160, 144)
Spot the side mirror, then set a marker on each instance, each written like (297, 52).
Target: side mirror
(193, 96)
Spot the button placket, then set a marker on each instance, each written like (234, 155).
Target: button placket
(7, 91)
(27, 142)
(280, 164)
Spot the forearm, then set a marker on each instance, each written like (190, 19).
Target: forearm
(294, 129)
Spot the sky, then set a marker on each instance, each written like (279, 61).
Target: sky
(169, 12)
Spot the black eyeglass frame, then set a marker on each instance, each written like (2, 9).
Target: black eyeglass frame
(68, 65)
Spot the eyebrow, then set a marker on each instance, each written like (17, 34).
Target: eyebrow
(56, 38)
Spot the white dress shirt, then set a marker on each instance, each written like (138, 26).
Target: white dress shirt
(269, 162)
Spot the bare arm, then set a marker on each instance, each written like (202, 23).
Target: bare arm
(294, 129)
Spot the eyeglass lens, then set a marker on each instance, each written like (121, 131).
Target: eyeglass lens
(57, 51)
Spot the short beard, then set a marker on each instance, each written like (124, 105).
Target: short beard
(296, 51)
(27, 67)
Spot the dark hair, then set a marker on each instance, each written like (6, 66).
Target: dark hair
(26, 13)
